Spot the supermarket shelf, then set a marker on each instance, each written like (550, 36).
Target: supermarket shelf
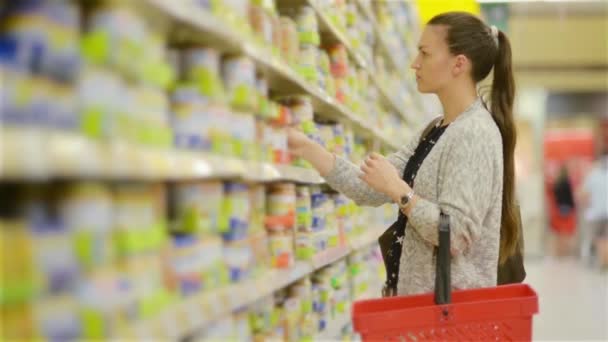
(334, 35)
(203, 27)
(329, 257)
(204, 309)
(334, 328)
(372, 293)
(36, 154)
(380, 37)
(366, 239)
(390, 101)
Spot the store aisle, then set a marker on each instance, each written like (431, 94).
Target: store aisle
(573, 300)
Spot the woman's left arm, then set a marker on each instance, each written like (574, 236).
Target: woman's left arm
(465, 183)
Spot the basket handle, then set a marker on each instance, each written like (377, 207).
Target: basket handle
(443, 282)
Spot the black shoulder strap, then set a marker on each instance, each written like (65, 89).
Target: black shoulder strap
(428, 128)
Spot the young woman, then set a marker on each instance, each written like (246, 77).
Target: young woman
(462, 167)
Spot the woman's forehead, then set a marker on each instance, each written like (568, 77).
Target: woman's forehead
(433, 36)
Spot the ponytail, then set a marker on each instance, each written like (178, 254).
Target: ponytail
(488, 48)
(502, 98)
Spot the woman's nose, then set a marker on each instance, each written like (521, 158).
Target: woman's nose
(415, 65)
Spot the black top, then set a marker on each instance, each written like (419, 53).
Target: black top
(562, 189)
(391, 241)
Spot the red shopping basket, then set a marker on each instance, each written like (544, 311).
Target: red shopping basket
(502, 313)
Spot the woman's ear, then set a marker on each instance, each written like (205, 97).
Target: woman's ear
(461, 65)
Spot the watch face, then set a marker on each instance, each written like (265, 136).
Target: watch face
(404, 200)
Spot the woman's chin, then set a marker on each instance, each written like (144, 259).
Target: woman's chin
(422, 89)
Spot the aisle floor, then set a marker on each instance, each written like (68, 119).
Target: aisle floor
(573, 300)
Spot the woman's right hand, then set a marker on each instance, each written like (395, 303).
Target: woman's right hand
(297, 141)
(303, 147)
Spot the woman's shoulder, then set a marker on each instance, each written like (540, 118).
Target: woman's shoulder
(477, 125)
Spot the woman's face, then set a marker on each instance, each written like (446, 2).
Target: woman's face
(434, 64)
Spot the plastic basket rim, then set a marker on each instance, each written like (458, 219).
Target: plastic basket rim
(532, 297)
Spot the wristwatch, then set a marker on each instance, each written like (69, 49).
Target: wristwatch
(404, 201)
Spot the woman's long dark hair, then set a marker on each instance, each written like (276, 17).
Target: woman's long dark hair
(469, 36)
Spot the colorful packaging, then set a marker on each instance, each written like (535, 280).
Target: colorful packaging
(239, 76)
(302, 110)
(305, 245)
(242, 126)
(236, 211)
(264, 104)
(189, 122)
(20, 277)
(308, 27)
(318, 199)
(55, 259)
(87, 210)
(275, 138)
(105, 303)
(289, 41)
(202, 66)
(260, 317)
(324, 70)
(58, 318)
(140, 218)
(144, 278)
(257, 200)
(238, 257)
(197, 206)
(260, 250)
(281, 203)
(281, 247)
(303, 209)
(339, 60)
(196, 264)
(307, 63)
(261, 23)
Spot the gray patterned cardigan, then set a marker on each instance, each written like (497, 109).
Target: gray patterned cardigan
(462, 176)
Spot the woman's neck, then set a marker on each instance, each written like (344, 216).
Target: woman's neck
(456, 102)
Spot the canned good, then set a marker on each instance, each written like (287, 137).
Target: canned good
(197, 207)
(324, 70)
(308, 27)
(288, 40)
(260, 250)
(307, 63)
(236, 211)
(87, 210)
(282, 200)
(339, 60)
(238, 257)
(257, 200)
(321, 241)
(305, 245)
(303, 209)
(188, 123)
(57, 318)
(202, 66)
(240, 82)
(261, 23)
(300, 106)
(281, 248)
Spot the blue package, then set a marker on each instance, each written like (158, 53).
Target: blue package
(180, 241)
(237, 230)
(317, 199)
